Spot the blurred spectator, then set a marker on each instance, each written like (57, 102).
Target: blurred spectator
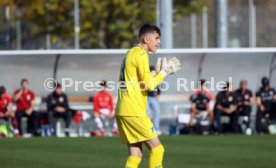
(226, 105)
(265, 96)
(245, 101)
(103, 110)
(153, 105)
(201, 114)
(58, 107)
(208, 93)
(25, 102)
(6, 112)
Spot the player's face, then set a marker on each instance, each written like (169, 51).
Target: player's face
(244, 85)
(58, 90)
(153, 41)
(231, 88)
(25, 85)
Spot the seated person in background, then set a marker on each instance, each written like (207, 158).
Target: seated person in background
(25, 102)
(226, 105)
(201, 114)
(245, 102)
(265, 96)
(103, 110)
(6, 112)
(58, 107)
(202, 86)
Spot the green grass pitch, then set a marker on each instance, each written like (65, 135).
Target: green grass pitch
(231, 151)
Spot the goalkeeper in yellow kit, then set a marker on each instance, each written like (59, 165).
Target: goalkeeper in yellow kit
(135, 127)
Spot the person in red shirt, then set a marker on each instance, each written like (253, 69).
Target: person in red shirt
(6, 111)
(25, 102)
(202, 85)
(103, 109)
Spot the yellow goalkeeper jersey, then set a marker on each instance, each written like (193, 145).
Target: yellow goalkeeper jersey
(135, 81)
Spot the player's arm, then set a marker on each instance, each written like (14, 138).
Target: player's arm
(260, 104)
(96, 107)
(31, 109)
(219, 106)
(259, 101)
(66, 102)
(194, 109)
(193, 113)
(50, 105)
(9, 110)
(234, 106)
(274, 97)
(251, 99)
(145, 74)
(17, 95)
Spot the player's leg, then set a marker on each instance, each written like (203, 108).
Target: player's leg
(217, 121)
(234, 117)
(18, 116)
(30, 122)
(98, 121)
(99, 124)
(67, 119)
(135, 155)
(51, 122)
(13, 121)
(248, 114)
(258, 121)
(156, 152)
(211, 117)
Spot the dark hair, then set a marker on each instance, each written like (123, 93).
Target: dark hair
(2, 90)
(23, 80)
(202, 82)
(265, 81)
(103, 83)
(58, 85)
(243, 82)
(226, 85)
(147, 28)
(152, 68)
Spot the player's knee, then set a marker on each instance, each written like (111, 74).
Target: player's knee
(159, 150)
(136, 153)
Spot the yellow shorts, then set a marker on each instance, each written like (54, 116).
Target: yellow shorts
(135, 129)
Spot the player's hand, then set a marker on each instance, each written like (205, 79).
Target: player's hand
(262, 108)
(170, 67)
(29, 112)
(2, 115)
(227, 111)
(60, 109)
(111, 115)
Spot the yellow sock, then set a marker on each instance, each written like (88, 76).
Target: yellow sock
(133, 162)
(156, 157)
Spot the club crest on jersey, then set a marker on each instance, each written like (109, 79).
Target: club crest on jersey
(143, 53)
(61, 99)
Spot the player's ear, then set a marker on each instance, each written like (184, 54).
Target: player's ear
(146, 39)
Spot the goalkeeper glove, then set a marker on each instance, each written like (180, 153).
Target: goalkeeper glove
(169, 67)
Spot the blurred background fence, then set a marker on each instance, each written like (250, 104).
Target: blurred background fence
(249, 23)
